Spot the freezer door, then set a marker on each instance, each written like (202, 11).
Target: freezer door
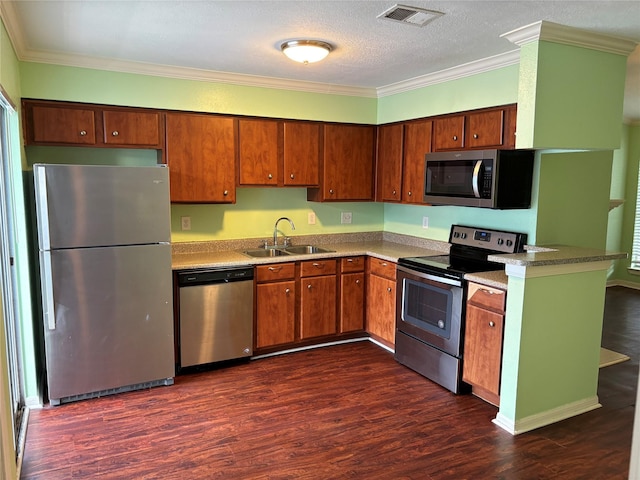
(95, 205)
(111, 318)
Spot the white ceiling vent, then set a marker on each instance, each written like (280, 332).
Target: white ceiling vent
(418, 17)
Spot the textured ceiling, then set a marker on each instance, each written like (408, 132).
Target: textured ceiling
(244, 37)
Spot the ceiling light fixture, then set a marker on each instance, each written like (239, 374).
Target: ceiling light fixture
(306, 51)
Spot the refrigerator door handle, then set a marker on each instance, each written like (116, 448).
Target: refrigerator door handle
(47, 290)
(40, 187)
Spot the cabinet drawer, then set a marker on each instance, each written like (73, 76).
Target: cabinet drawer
(487, 297)
(382, 268)
(313, 268)
(352, 264)
(277, 271)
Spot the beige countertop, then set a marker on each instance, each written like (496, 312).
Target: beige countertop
(386, 246)
(556, 255)
(383, 249)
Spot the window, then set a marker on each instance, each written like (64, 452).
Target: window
(635, 251)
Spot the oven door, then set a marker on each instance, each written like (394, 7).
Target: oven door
(430, 309)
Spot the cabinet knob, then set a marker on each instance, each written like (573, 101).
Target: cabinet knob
(270, 176)
(331, 191)
(475, 135)
(83, 133)
(115, 133)
(225, 193)
(349, 260)
(318, 265)
(274, 269)
(455, 137)
(409, 193)
(393, 193)
(389, 289)
(287, 291)
(384, 264)
(492, 324)
(309, 287)
(357, 282)
(292, 176)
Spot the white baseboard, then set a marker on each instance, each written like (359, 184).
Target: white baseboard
(546, 418)
(623, 283)
(33, 402)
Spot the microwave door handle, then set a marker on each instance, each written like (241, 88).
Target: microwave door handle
(475, 179)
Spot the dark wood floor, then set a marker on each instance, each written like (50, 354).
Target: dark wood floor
(348, 411)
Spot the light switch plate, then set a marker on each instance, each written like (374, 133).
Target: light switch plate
(345, 217)
(425, 222)
(311, 218)
(185, 223)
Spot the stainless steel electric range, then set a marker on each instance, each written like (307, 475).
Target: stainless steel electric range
(430, 307)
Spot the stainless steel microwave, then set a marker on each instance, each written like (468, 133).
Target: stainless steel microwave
(498, 179)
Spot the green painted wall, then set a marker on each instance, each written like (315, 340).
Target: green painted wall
(573, 198)
(497, 87)
(552, 338)
(100, 86)
(587, 84)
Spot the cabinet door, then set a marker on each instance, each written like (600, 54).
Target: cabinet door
(449, 133)
(132, 128)
(348, 162)
(62, 125)
(381, 308)
(317, 306)
(417, 143)
(275, 313)
(301, 154)
(389, 163)
(483, 351)
(510, 115)
(484, 129)
(351, 302)
(201, 158)
(258, 152)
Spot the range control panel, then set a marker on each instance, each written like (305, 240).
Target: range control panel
(495, 240)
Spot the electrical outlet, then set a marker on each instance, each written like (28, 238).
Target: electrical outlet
(185, 223)
(345, 217)
(425, 222)
(311, 218)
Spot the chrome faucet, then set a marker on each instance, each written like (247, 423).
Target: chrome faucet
(275, 229)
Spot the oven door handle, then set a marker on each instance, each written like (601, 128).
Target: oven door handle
(434, 278)
(475, 180)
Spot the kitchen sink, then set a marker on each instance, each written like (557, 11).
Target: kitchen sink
(283, 251)
(265, 252)
(305, 249)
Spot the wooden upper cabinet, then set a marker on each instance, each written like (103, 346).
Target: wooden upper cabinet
(347, 164)
(258, 152)
(130, 128)
(449, 133)
(389, 163)
(201, 158)
(301, 156)
(59, 125)
(417, 143)
(485, 129)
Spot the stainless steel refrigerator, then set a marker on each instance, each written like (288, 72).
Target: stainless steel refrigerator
(105, 275)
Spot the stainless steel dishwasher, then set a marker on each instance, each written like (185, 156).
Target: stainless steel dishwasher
(216, 315)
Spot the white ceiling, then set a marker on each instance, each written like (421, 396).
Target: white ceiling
(239, 41)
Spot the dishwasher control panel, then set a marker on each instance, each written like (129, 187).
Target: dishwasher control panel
(203, 276)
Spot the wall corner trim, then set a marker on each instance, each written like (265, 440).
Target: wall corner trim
(556, 33)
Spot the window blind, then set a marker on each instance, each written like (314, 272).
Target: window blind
(635, 251)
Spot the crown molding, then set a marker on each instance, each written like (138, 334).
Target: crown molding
(454, 73)
(556, 33)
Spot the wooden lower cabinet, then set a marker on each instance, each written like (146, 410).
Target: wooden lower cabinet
(275, 305)
(381, 300)
(317, 298)
(352, 294)
(483, 341)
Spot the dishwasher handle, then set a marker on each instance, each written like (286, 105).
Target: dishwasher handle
(212, 276)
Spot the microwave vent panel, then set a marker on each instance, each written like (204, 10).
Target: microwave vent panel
(415, 16)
